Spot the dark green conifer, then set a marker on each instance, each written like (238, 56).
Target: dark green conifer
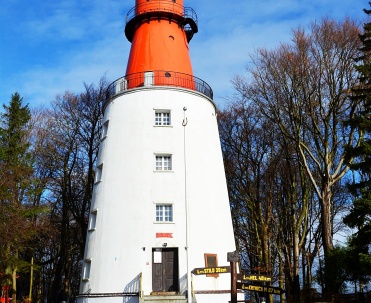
(359, 216)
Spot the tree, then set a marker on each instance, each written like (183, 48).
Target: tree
(303, 88)
(359, 159)
(15, 189)
(269, 194)
(71, 131)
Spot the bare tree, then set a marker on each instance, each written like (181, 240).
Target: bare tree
(269, 194)
(68, 143)
(303, 88)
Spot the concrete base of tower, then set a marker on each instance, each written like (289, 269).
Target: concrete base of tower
(199, 298)
(106, 298)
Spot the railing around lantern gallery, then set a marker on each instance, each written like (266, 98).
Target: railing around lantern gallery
(186, 17)
(161, 6)
(157, 78)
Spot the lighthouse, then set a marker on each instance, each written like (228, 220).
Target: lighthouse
(160, 205)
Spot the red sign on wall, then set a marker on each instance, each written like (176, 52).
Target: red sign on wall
(164, 235)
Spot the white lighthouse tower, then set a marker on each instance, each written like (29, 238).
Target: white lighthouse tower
(160, 204)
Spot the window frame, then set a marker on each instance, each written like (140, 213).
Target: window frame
(159, 122)
(93, 219)
(166, 166)
(210, 263)
(164, 213)
(98, 174)
(105, 129)
(86, 270)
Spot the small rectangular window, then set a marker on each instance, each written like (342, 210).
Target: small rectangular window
(163, 162)
(98, 173)
(162, 118)
(211, 260)
(86, 270)
(164, 213)
(105, 129)
(93, 220)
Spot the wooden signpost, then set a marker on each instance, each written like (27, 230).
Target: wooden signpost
(240, 281)
(247, 281)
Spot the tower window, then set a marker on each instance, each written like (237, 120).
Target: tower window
(98, 174)
(86, 270)
(162, 118)
(105, 129)
(93, 220)
(164, 213)
(163, 162)
(211, 260)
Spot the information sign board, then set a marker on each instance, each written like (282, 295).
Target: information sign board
(255, 278)
(260, 288)
(211, 270)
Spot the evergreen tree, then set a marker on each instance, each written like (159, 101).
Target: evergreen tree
(359, 216)
(16, 177)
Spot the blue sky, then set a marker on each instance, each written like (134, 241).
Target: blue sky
(50, 46)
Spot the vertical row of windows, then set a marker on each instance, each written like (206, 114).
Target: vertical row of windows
(163, 162)
(164, 212)
(162, 118)
(93, 214)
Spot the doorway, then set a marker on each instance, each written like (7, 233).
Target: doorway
(165, 270)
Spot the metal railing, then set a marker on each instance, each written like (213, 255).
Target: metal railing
(157, 78)
(161, 6)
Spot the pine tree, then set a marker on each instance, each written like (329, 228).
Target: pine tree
(16, 177)
(359, 216)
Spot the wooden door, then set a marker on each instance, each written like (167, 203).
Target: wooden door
(165, 270)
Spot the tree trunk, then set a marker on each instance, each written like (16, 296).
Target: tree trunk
(31, 280)
(14, 285)
(327, 239)
(296, 280)
(326, 218)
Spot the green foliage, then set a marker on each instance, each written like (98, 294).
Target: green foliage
(15, 159)
(357, 265)
(14, 130)
(344, 264)
(336, 272)
(15, 183)
(359, 216)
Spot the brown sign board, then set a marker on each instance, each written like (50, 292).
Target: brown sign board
(211, 270)
(260, 288)
(255, 278)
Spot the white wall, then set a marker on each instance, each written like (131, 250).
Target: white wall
(125, 198)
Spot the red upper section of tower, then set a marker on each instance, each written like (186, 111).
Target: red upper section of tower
(160, 31)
